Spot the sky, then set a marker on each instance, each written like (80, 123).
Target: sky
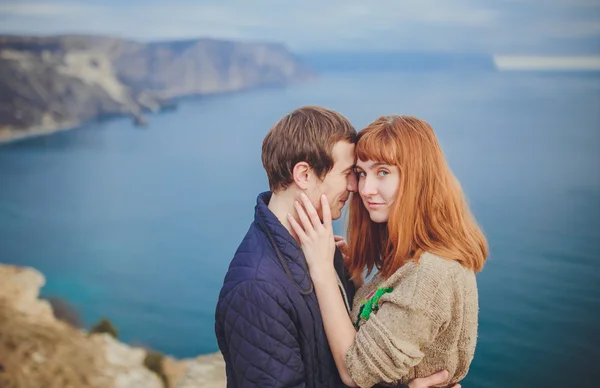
(508, 27)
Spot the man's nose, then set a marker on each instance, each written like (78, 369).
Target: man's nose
(352, 183)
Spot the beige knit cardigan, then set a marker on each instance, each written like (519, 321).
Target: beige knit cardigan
(427, 323)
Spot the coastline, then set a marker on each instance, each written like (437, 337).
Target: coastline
(11, 135)
(32, 334)
(57, 83)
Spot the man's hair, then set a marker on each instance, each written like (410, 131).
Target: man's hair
(307, 134)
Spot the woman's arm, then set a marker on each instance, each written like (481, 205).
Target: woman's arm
(338, 327)
(318, 245)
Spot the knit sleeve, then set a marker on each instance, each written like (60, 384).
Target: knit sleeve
(390, 342)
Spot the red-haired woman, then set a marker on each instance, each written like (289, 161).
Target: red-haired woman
(418, 314)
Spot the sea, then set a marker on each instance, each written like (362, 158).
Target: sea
(139, 224)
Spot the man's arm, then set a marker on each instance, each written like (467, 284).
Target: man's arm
(261, 338)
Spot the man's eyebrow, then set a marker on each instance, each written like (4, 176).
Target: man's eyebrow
(349, 168)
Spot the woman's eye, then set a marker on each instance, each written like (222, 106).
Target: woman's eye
(382, 173)
(361, 173)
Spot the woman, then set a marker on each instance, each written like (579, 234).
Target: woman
(418, 314)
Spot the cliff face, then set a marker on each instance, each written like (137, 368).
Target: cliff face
(174, 69)
(36, 350)
(58, 82)
(45, 90)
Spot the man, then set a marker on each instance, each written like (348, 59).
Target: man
(268, 324)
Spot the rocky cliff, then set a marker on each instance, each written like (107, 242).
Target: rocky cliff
(51, 83)
(37, 350)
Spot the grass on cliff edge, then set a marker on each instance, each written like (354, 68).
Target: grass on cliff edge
(41, 355)
(56, 355)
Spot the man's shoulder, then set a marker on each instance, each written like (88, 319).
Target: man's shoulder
(253, 245)
(253, 249)
(254, 260)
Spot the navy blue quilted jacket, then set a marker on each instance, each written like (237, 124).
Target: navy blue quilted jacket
(268, 324)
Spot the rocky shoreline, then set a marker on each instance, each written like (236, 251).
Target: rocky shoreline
(56, 83)
(38, 350)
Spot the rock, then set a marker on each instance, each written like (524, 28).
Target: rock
(124, 364)
(37, 350)
(45, 91)
(140, 121)
(20, 288)
(175, 369)
(53, 83)
(205, 372)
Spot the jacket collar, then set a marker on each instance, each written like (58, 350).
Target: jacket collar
(286, 248)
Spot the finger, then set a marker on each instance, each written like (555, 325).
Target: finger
(326, 212)
(306, 224)
(337, 238)
(437, 378)
(340, 244)
(311, 211)
(297, 228)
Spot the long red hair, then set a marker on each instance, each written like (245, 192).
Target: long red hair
(429, 213)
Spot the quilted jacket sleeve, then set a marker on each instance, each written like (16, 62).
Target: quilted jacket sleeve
(261, 338)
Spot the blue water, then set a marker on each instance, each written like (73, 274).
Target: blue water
(139, 225)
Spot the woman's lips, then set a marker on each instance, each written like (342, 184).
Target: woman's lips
(374, 205)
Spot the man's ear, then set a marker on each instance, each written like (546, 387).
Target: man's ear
(301, 174)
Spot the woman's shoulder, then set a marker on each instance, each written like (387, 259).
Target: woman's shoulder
(430, 262)
(429, 272)
(430, 281)
(447, 275)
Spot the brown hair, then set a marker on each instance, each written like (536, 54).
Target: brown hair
(429, 213)
(307, 134)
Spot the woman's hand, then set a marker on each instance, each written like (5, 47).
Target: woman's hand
(316, 237)
(343, 247)
(316, 240)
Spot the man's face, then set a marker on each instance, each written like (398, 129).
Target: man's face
(338, 183)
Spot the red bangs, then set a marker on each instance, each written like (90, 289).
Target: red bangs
(375, 143)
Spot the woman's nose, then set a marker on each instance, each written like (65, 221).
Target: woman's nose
(367, 186)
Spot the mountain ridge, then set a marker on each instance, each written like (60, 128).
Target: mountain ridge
(59, 82)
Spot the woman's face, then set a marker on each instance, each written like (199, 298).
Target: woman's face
(377, 186)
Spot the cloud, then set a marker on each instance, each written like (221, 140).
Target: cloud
(45, 10)
(509, 63)
(312, 25)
